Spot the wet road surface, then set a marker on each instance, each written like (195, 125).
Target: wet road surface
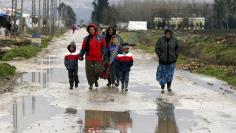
(43, 103)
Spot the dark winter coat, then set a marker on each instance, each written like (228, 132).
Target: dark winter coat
(167, 50)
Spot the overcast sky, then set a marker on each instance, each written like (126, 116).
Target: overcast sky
(82, 8)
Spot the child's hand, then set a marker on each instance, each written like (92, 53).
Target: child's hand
(81, 58)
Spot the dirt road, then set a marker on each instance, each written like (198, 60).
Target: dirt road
(43, 103)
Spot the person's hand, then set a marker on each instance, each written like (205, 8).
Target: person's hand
(81, 58)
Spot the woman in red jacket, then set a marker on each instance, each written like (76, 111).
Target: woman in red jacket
(93, 48)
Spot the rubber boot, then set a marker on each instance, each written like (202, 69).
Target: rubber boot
(169, 86)
(162, 87)
(126, 86)
(96, 83)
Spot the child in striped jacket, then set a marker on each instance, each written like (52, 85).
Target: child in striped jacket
(124, 64)
(71, 63)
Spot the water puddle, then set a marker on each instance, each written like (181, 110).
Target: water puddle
(30, 110)
(166, 118)
(27, 110)
(45, 77)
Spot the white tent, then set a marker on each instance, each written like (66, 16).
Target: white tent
(137, 25)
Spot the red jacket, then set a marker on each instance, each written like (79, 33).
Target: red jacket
(93, 52)
(71, 61)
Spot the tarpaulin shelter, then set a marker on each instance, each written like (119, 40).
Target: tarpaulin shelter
(137, 25)
(4, 18)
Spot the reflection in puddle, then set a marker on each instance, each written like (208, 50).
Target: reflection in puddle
(29, 110)
(44, 77)
(166, 118)
(107, 121)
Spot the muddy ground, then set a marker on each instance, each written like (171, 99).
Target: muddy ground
(41, 101)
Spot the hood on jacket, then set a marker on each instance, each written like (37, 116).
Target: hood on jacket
(72, 44)
(94, 26)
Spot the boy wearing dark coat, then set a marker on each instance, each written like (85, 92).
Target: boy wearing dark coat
(71, 63)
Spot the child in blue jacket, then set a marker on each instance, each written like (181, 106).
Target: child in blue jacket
(113, 50)
(71, 63)
(124, 64)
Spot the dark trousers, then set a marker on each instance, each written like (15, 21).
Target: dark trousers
(115, 76)
(124, 77)
(73, 77)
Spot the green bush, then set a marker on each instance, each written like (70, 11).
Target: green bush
(6, 70)
(27, 51)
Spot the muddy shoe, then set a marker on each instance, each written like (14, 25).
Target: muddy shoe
(96, 83)
(90, 87)
(162, 91)
(122, 86)
(126, 89)
(169, 90)
(109, 85)
(116, 84)
(76, 85)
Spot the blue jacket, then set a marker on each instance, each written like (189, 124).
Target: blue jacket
(113, 51)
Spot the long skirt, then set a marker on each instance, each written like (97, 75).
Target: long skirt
(93, 70)
(165, 73)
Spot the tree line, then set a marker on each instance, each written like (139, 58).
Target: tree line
(67, 13)
(221, 14)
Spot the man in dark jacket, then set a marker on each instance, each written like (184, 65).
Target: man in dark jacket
(167, 50)
(71, 63)
(93, 47)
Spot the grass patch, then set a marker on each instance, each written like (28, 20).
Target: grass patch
(6, 70)
(60, 32)
(219, 73)
(147, 49)
(182, 60)
(24, 52)
(28, 51)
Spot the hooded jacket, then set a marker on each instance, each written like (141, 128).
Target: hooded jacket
(93, 46)
(71, 60)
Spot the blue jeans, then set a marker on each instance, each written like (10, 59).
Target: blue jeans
(114, 74)
(165, 73)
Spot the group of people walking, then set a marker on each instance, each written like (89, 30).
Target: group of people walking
(108, 57)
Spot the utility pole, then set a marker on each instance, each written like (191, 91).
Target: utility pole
(44, 11)
(52, 15)
(13, 14)
(21, 17)
(59, 16)
(33, 12)
(47, 10)
(39, 17)
(55, 14)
